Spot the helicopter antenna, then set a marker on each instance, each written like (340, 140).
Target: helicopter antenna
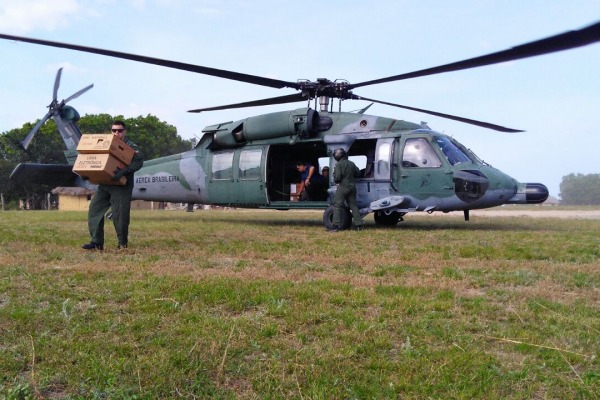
(363, 110)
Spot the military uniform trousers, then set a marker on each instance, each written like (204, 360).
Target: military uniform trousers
(348, 194)
(118, 199)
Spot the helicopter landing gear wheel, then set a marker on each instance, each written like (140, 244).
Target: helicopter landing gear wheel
(383, 219)
(328, 218)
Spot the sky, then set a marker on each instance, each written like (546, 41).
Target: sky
(555, 98)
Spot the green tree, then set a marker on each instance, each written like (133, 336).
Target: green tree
(95, 123)
(47, 147)
(156, 138)
(7, 187)
(579, 189)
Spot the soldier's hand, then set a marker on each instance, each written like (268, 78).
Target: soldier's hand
(118, 174)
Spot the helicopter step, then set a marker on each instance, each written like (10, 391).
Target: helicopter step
(382, 204)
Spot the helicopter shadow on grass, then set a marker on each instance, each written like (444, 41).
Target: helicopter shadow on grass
(272, 222)
(418, 225)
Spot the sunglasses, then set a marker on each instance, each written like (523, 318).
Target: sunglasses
(117, 130)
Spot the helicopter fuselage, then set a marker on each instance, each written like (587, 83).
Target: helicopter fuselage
(405, 167)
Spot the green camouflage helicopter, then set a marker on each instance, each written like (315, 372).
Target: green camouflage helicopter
(251, 163)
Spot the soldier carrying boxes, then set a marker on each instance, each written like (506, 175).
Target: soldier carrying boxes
(110, 161)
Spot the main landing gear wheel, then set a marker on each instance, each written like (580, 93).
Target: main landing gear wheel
(383, 219)
(328, 218)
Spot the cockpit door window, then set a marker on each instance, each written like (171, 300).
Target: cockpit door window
(418, 153)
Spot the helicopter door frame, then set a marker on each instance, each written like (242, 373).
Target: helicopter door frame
(383, 168)
(378, 171)
(423, 172)
(282, 175)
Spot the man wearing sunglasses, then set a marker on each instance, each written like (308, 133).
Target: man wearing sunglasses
(115, 197)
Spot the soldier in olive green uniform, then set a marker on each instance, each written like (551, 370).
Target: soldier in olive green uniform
(115, 197)
(344, 175)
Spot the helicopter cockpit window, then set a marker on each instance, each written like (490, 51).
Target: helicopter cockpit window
(419, 153)
(222, 165)
(249, 167)
(451, 151)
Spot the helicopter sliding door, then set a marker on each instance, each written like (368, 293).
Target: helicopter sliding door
(237, 177)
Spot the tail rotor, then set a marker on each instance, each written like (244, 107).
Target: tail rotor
(57, 110)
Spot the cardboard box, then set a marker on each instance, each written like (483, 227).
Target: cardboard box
(105, 144)
(294, 196)
(99, 168)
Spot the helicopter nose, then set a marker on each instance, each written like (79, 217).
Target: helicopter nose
(535, 193)
(530, 193)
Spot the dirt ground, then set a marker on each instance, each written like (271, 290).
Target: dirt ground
(534, 213)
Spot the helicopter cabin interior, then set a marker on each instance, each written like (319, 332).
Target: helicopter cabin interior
(282, 175)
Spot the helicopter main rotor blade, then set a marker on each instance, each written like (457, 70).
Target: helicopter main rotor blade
(292, 98)
(59, 123)
(442, 115)
(31, 134)
(77, 94)
(236, 76)
(563, 41)
(56, 84)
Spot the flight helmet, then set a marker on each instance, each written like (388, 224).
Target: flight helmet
(338, 154)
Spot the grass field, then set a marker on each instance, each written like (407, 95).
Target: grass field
(242, 304)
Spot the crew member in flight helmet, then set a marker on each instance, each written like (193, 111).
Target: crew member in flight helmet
(344, 174)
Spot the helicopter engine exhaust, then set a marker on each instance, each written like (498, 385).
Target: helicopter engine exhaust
(530, 193)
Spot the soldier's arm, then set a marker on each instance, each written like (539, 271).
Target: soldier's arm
(137, 162)
(336, 174)
(138, 159)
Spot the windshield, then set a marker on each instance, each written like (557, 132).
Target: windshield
(453, 153)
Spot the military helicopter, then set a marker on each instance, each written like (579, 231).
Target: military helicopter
(251, 163)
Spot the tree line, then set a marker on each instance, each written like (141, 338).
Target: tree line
(156, 138)
(580, 189)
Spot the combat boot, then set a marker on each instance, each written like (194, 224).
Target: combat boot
(92, 246)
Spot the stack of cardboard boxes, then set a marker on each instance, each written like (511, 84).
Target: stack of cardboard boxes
(99, 156)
